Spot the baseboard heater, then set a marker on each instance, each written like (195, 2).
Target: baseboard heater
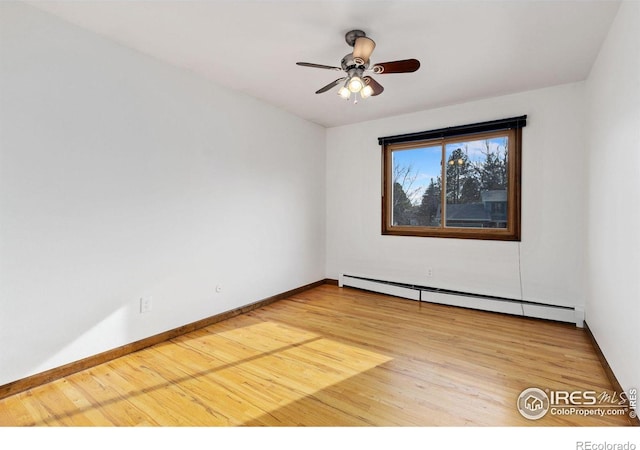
(466, 299)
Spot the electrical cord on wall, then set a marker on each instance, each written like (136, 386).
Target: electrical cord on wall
(520, 277)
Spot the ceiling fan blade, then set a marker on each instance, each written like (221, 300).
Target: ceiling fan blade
(402, 66)
(331, 85)
(318, 66)
(377, 87)
(363, 48)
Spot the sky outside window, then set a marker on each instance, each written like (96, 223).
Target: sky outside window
(424, 164)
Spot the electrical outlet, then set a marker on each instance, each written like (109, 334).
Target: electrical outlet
(145, 304)
(429, 272)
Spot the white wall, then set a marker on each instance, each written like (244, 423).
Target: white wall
(613, 273)
(120, 177)
(553, 205)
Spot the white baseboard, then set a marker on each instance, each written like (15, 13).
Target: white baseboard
(473, 301)
(383, 288)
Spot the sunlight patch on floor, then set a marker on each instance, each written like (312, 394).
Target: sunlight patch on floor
(279, 364)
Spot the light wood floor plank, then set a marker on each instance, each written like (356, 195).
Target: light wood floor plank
(330, 357)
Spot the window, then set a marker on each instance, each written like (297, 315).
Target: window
(458, 182)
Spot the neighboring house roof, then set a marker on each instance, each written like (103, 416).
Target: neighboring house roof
(494, 196)
(476, 212)
(466, 211)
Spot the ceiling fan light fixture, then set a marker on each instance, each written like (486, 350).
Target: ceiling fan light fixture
(366, 92)
(356, 64)
(355, 84)
(344, 93)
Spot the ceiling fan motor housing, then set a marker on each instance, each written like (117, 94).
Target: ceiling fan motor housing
(349, 62)
(352, 35)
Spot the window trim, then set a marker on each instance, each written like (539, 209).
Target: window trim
(513, 129)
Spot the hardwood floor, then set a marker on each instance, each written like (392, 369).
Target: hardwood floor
(330, 357)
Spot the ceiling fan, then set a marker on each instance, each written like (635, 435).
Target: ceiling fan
(356, 63)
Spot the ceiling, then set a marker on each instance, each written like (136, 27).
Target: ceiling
(468, 49)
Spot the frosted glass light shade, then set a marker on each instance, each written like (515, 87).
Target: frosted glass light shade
(366, 91)
(344, 93)
(355, 84)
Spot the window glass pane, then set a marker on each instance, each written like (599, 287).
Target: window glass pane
(476, 183)
(416, 178)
